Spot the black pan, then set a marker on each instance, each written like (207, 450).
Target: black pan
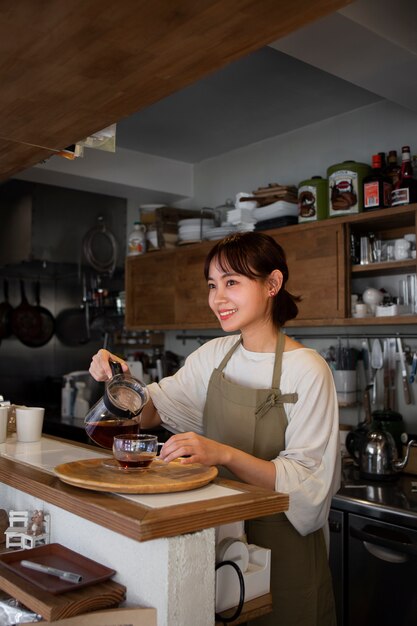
(47, 326)
(5, 313)
(71, 327)
(26, 320)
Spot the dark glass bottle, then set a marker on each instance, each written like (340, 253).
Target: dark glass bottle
(405, 191)
(376, 187)
(393, 169)
(383, 160)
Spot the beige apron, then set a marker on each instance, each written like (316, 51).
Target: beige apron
(254, 421)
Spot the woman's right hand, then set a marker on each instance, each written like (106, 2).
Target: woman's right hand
(100, 367)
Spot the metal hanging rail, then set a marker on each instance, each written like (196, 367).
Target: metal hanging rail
(384, 335)
(303, 335)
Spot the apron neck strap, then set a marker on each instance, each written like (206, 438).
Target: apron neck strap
(276, 377)
(229, 354)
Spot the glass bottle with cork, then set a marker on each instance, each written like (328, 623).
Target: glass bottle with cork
(405, 191)
(377, 187)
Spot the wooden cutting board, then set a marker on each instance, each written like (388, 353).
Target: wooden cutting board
(160, 477)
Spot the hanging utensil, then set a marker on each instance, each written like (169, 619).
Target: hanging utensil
(392, 347)
(47, 326)
(404, 376)
(6, 310)
(413, 372)
(376, 364)
(26, 320)
(386, 375)
(365, 361)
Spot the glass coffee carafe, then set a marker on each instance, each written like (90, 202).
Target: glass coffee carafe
(118, 411)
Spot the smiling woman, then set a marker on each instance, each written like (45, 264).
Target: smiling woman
(263, 408)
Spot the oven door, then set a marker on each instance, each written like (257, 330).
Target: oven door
(382, 573)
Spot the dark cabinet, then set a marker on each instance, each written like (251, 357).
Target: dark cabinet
(337, 561)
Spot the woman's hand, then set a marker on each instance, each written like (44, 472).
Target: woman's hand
(198, 449)
(195, 448)
(100, 367)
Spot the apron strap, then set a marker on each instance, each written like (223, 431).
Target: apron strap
(275, 398)
(276, 377)
(229, 354)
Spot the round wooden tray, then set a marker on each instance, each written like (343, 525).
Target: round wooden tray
(160, 477)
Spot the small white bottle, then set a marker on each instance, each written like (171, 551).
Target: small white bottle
(67, 395)
(81, 405)
(136, 242)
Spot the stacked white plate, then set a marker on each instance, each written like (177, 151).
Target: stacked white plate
(220, 231)
(194, 229)
(277, 209)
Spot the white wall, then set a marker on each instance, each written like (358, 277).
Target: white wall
(306, 152)
(288, 159)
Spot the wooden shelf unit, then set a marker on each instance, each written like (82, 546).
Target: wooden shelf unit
(167, 290)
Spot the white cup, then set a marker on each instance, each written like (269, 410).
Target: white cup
(29, 422)
(361, 309)
(346, 386)
(4, 420)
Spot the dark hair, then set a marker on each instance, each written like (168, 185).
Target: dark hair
(256, 255)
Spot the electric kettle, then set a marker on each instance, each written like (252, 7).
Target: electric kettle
(378, 457)
(118, 411)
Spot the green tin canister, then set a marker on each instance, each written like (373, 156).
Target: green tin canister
(346, 187)
(312, 199)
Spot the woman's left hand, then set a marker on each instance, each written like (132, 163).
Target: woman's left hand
(196, 449)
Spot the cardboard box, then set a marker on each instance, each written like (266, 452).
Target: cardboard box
(112, 617)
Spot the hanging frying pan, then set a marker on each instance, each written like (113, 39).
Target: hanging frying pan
(71, 327)
(5, 313)
(26, 320)
(47, 325)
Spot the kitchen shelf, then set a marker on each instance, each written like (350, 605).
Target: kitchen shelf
(388, 267)
(318, 255)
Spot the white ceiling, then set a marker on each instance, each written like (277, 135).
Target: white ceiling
(357, 56)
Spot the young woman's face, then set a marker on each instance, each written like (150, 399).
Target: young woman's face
(237, 301)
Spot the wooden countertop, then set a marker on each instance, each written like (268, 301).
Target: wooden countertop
(138, 521)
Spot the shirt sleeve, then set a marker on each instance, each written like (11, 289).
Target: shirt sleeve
(309, 466)
(180, 399)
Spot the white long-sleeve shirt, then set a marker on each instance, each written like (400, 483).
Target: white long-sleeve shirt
(309, 466)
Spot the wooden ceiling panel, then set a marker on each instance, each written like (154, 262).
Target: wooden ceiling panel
(69, 69)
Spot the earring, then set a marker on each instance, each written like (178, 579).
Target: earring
(272, 293)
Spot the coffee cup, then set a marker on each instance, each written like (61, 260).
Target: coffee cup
(29, 423)
(135, 451)
(4, 421)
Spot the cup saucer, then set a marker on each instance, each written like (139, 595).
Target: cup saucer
(113, 465)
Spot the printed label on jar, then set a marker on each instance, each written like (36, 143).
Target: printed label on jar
(136, 247)
(343, 192)
(400, 196)
(371, 195)
(307, 203)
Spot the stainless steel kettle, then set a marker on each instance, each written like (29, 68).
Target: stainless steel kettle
(378, 458)
(118, 411)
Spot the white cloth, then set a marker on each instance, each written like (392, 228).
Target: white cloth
(309, 467)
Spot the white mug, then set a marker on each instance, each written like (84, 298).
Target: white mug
(4, 420)
(346, 386)
(361, 309)
(29, 423)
